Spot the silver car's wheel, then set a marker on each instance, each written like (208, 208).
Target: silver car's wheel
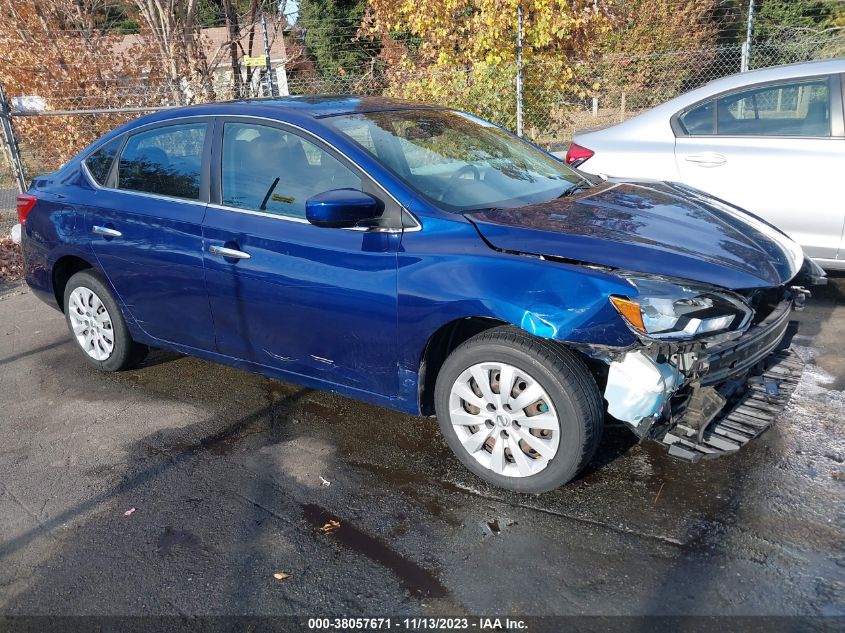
(91, 323)
(504, 419)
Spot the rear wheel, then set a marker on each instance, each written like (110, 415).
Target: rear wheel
(521, 413)
(97, 325)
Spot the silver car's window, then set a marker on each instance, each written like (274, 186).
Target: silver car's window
(699, 120)
(787, 109)
(275, 171)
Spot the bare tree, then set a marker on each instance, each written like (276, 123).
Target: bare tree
(176, 33)
(50, 49)
(234, 31)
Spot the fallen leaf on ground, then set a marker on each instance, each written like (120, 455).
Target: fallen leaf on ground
(330, 527)
(11, 262)
(281, 575)
(129, 512)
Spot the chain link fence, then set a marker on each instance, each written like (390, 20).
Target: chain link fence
(114, 79)
(8, 193)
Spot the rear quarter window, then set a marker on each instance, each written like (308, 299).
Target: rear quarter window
(99, 163)
(698, 120)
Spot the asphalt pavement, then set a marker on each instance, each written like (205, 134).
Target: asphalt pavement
(182, 487)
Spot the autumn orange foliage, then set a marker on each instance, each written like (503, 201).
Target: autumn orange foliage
(48, 48)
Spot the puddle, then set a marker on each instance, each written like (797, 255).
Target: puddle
(171, 538)
(415, 579)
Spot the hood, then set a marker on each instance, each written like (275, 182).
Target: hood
(658, 228)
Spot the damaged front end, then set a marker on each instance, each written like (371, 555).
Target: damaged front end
(712, 370)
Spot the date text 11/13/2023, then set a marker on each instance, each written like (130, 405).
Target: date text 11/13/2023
(418, 624)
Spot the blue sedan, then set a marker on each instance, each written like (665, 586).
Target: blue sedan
(425, 260)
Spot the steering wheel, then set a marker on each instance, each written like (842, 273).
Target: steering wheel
(453, 179)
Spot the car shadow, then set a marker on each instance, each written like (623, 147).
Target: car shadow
(159, 357)
(616, 440)
(31, 352)
(175, 454)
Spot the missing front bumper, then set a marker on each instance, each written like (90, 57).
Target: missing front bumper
(765, 396)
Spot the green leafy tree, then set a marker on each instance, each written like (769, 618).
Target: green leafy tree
(796, 30)
(119, 17)
(331, 36)
(658, 48)
(463, 53)
(773, 16)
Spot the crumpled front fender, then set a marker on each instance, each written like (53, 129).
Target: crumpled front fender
(448, 273)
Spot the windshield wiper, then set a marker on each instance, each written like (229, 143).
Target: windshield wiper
(581, 185)
(272, 188)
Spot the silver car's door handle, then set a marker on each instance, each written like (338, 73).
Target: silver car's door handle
(707, 159)
(104, 230)
(222, 251)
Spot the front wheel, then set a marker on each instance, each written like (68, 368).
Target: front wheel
(96, 323)
(521, 413)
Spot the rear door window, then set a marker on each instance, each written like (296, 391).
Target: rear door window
(166, 161)
(788, 109)
(99, 163)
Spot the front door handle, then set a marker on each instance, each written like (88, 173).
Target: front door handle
(104, 230)
(707, 159)
(229, 253)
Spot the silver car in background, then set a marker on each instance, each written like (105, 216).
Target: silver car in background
(771, 141)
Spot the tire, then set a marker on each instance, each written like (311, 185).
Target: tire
(88, 301)
(534, 364)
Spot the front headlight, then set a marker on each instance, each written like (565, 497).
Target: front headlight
(676, 310)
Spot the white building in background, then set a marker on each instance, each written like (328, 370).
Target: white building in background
(285, 56)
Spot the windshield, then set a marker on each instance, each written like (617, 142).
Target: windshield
(458, 161)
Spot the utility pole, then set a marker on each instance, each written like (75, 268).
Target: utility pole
(269, 68)
(519, 70)
(746, 47)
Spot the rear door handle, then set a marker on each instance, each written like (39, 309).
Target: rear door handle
(707, 159)
(230, 253)
(104, 230)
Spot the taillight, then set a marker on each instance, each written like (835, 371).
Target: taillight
(576, 154)
(25, 204)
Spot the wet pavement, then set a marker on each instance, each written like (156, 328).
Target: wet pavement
(227, 472)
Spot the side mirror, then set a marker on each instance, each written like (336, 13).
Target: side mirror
(341, 208)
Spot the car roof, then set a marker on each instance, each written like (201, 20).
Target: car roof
(773, 73)
(296, 109)
(313, 106)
